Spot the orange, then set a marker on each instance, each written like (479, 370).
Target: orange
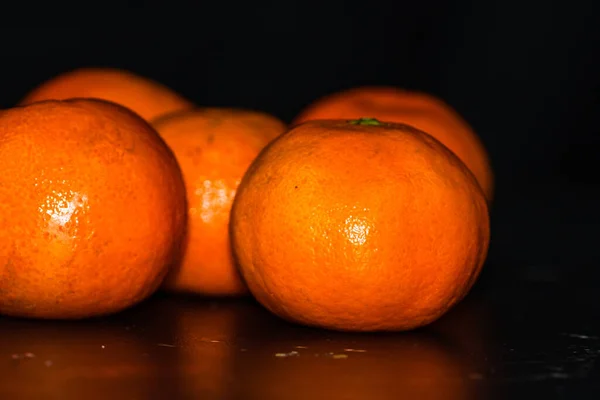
(92, 209)
(421, 110)
(214, 147)
(146, 97)
(359, 226)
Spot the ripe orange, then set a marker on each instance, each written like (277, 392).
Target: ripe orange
(423, 111)
(92, 209)
(146, 97)
(359, 225)
(214, 147)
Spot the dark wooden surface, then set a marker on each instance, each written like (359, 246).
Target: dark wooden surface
(520, 340)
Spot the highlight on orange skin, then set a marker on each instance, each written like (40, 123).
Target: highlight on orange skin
(92, 209)
(358, 227)
(214, 147)
(146, 97)
(421, 110)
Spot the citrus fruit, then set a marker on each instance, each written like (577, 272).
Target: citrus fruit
(360, 226)
(92, 209)
(214, 147)
(146, 97)
(421, 110)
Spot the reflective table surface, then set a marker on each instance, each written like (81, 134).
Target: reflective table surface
(508, 340)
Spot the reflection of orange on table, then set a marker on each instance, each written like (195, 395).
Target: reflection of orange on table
(206, 339)
(74, 361)
(394, 367)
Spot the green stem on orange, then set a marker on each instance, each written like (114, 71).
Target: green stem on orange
(366, 121)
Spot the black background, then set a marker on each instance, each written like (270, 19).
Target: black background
(524, 74)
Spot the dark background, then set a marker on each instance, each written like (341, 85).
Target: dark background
(525, 75)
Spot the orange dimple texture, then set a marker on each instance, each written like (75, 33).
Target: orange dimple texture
(359, 228)
(147, 98)
(214, 147)
(419, 110)
(92, 209)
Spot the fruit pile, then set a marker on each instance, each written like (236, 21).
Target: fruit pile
(369, 212)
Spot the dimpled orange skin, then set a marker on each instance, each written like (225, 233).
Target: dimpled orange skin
(418, 109)
(142, 95)
(359, 228)
(92, 209)
(214, 147)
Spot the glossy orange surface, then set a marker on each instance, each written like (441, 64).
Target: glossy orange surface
(148, 98)
(359, 226)
(418, 109)
(92, 209)
(214, 147)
